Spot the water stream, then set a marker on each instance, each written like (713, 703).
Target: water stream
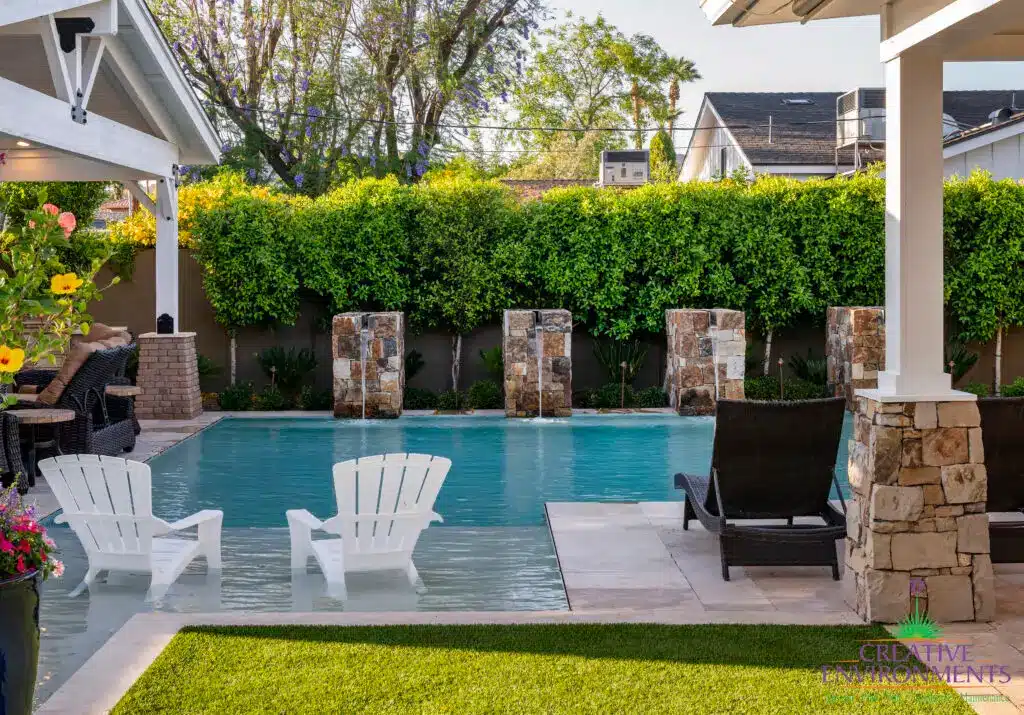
(363, 335)
(539, 336)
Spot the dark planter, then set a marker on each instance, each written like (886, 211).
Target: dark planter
(19, 643)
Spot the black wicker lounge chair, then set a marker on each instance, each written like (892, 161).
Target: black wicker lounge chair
(1002, 435)
(771, 460)
(103, 424)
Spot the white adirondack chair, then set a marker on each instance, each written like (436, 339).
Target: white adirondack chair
(384, 504)
(107, 501)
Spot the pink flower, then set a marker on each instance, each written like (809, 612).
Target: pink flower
(67, 222)
(24, 547)
(50, 543)
(51, 209)
(6, 546)
(58, 568)
(31, 223)
(21, 564)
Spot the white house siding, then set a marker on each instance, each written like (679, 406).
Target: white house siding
(714, 141)
(1003, 159)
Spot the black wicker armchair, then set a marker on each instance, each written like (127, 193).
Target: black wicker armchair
(103, 424)
(11, 465)
(771, 460)
(1002, 436)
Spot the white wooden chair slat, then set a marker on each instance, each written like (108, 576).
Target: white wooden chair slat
(384, 504)
(108, 502)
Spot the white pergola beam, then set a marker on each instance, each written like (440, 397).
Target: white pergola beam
(993, 48)
(90, 67)
(167, 248)
(44, 165)
(56, 59)
(139, 90)
(140, 195)
(33, 116)
(958, 23)
(13, 11)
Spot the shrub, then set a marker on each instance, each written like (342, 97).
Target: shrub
(767, 388)
(417, 398)
(311, 398)
(977, 388)
(451, 400)
(610, 396)
(287, 368)
(272, 399)
(485, 395)
(810, 369)
(584, 399)
(651, 397)
(237, 397)
(797, 389)
(1014, 389)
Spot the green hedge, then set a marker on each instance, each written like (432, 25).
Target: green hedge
(454, 254)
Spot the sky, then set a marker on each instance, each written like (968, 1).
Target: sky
(822, 56)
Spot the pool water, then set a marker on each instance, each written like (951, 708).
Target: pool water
(503, 471)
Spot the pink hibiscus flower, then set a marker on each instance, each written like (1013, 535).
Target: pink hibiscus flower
(51, 209)
(21, 564)
(67, 222)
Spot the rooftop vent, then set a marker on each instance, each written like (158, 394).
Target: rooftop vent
(798, 101)
(1000, 115)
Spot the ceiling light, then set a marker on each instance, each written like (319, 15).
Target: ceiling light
(22, 143)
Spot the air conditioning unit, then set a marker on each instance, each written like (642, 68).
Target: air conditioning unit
(860, 117)
(625, 168)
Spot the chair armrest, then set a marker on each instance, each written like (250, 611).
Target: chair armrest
(200, 517)
(303, 517)
(434, 516)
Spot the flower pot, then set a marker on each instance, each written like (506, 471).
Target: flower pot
(19, 643)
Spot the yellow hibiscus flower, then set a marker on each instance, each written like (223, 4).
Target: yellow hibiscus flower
(65, 284)
(11, 359)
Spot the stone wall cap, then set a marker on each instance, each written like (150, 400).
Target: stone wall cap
(167, 335)
(951, 396)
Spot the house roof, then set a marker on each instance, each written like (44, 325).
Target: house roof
(805, 133)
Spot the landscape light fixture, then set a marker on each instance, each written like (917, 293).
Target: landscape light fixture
(22, 143)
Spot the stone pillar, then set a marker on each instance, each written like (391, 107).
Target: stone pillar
(919, 485)
(854, 350)
(168, 377)
(702, 343)
(384, 364)
(519, 347)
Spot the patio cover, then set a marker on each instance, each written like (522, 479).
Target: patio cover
(917, 36)
(90, 91)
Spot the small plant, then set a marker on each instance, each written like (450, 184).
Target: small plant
(494, 363)
(414, 362)
(977, 388)
(272, 399)
(810, 369)
(612, 353)
(311, 398)
(1014, 389)
(24, 546)
(287, 369)
(959, 360)
(485, 395)
(451, 401)
(417, 398)
(612, 397)
(584, 399)
(651, 397)
(237, 397)
(767, 388)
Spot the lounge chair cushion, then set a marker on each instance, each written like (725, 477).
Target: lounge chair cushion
(76, 357)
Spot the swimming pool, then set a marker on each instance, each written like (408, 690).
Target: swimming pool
(503, 471)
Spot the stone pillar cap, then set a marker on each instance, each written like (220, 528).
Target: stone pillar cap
(167, 335)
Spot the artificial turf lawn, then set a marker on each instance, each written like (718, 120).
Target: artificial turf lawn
(565, 668)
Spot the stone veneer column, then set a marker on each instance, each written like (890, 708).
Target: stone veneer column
(384, 364)
(919, 482)
(519, 350)
(168, 377)
(854, 350)
(701, 343)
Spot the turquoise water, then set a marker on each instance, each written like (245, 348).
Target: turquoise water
(503, 471)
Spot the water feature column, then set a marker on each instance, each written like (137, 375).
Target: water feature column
(706, 351)
(369, 364)
(854, 350)
(537, 351)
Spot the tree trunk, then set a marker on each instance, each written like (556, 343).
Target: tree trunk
(635, 95)
(998, 378)
(456, 360)
(767, 352)
(234, 358)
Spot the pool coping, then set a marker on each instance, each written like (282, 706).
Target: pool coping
(102, 681)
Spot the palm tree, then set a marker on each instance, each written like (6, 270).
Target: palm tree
(679, 70)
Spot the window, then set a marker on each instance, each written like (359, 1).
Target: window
(723, 161)
(798, 101)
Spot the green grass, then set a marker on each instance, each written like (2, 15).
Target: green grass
(570, 668)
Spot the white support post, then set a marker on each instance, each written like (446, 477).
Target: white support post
(167, 249)
(913, 231)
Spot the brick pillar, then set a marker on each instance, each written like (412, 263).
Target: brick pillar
(701, 343)
(918, 513)
(519, 348)
(169, 377)
(384, 364)
(854, 350)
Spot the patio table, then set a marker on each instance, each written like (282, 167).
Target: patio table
(32, 419)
